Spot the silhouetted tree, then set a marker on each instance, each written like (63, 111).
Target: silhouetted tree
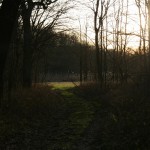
(26, 11)
(8, 16)
(100, 12)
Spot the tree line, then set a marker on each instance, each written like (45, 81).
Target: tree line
(32, 36)
(111, 24)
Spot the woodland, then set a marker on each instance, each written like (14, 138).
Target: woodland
(62, 88)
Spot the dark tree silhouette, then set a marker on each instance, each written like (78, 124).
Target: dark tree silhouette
(27, 8)
(8, 15)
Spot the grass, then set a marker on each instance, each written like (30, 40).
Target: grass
(62, 85)
(45, 117)
(62, 116)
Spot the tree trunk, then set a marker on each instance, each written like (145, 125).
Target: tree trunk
(149, 32)
(27, 49)
(97, 57)
(8, 16)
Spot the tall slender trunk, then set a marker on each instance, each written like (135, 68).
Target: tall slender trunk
(97, 57)
(149, 32)
(97, 28)
(144, 44)
(101, 54)
(27, 49)
(124, 47)
(105, 53)
(86, 55)
(81, 57)
(117, 45)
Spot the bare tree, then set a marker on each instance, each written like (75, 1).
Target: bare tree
(27, 8)
(43, 26)
(86, 52)
(100, 9)
(147, 3)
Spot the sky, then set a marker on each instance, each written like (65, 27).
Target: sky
(82, 16)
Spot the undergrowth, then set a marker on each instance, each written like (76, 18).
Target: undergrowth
(84, 117)
(124, 113)
(42, 118)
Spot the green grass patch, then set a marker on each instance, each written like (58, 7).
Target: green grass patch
(62, 85)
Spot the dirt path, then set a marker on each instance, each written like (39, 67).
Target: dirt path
(91, 139)
(88, 138)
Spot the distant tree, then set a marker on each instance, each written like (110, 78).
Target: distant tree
(142, 37)
(85, 64)
(81, 55)
(60, 56)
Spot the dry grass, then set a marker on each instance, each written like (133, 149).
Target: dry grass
(124, 114)
(58, 116)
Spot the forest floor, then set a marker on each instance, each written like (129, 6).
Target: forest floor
(63, 116)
